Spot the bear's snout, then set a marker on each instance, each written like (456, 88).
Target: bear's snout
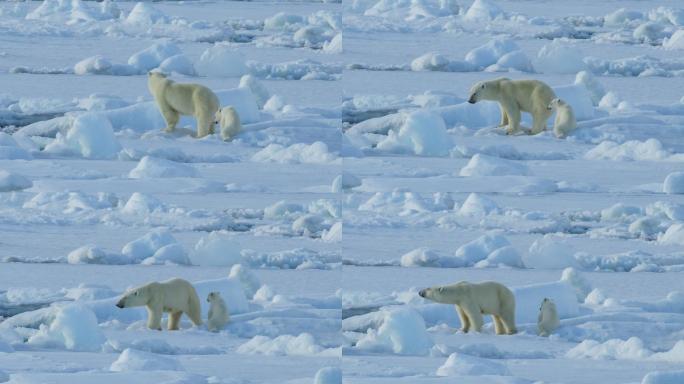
(472, 100)
(120, 304)
(421, 293)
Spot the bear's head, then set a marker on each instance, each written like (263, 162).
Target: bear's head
(445, 294)
(157, 74)
(484, 90)
(547, 303)
(554, 104)
(213, 296)
(136, 297)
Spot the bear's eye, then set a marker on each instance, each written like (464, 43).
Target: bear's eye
(441, 289)
(483, 86)
(136, 293)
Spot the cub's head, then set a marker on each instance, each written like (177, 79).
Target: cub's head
(484, 90)
(213, 296)
(555, 103)
(547, 303)
(445, 294)
(136, 297)
(225, 111)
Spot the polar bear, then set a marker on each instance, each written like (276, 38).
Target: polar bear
(175, 296)
(547, 321)
(218, 312)
(475, 299)
(228, 120)
(565, 118)
(175, 99)
(514, 96)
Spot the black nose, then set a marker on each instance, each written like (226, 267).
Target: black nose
(421, 293)
(119, 305)
(471, 100)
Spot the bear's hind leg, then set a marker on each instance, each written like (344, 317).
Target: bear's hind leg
(205, 126)
(508, 319)
(499, 327)
(174, 320)
(539, 118)
(465, 323)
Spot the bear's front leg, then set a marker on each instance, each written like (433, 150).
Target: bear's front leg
(474, 314)
(513, 114)
(504, 118)
(465, 323)
(171, 117)
(154, 315)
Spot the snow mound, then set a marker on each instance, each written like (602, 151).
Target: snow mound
(633, 150)
(145, 14)
(11, 150)
(142, 204)
(459, 364)
(151, 57)
(402, 332)
(148, 245)
(231, 289)
(484, 165)
(622, 16)
(315, 153)
(632, 348)
(328, 375)
(344, 182)
(250, 282)
(516, 61)
(480, 248)
(549, 253)
(333, 46)
(74, 327)
(491, 52)
(245, 100)
(433, 61)
(99, 65)
(579, 98)
(675, 42)
(423, 133)
(503, 257)
(90, 254)
(221, 60)
(281, 21)
(154, 167)
(674, 235)
(260, 92)
(173, 254)
(663, 377)
(421, 257)
(13, 182)
(91, 135)
(478, 205)
(483, 10)
(135, 360)
(334, 234)
(287, 345)
(178, 64)
(578, 282)
(674, 183)
(559, 58)
(216, 250)
(594, 87)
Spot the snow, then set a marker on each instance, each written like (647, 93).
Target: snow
(328, 375)
(422, 133)
(134, 360)
(315, 153)
(216, 249)
(483, 165)
(221, 60)
(560, 58)
(91, 136)
(663, 377)
(674, 183)
(549, 253)
(74, 327)
(483, 10)
(153, 167)
(301, 345)
(402, 332)
(13, 182)
(459, 364)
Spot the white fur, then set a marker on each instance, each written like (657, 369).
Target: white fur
(547, 321)
(229, 121)
(565, 118)
(176, 99)
(218, 312)
(514, 97)
(175, 296)
(472, 300)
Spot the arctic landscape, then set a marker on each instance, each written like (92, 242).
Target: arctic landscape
(365, 178)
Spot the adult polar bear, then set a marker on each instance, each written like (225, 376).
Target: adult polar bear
(175, 296)
(472, 300)
(514, 96)
(176, 99)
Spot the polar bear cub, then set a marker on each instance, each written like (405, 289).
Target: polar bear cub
(565, 118)
(175, 99)
(547, 321)
(229, 121)
(174, 296)
(218, 312)
(514, 96)
(472, 300)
